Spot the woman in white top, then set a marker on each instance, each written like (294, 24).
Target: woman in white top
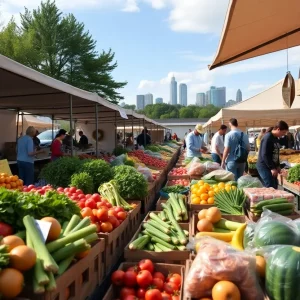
(217, 144)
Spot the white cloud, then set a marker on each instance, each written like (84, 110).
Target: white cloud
(144, 84)
(131, 6)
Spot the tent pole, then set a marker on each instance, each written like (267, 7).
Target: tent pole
(97, 129)
(124, 134)
(17, 133)
(71, 122)
(116, 129)
(22, 123)
(132, 129)
(144, 132)
(52, 127)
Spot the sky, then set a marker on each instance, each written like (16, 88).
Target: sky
(156, 39)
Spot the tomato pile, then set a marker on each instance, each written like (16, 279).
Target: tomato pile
(144, 283)
(147, 159)
(183, 182)
(178, 171)
(297, 183)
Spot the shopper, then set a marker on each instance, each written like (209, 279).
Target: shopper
(25, 156)
(217, 144)
(194, 143)
(297, 139)
(259, 138)
(57, 144)
(143, 139)
(268, 158)
(175, 137)
(67, 141)
(236, 150)
(83, 141)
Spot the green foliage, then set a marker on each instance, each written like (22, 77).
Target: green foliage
(83, 181)
(119, 150)
(60, 46)
(129, 163)
(99, 170)
(59, 172)
(153, 148)
(15, 205)
(167, 111)
(294, 174)
(127, 106)
(131, 183)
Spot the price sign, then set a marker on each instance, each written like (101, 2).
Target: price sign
(4, 167)
(44, 228)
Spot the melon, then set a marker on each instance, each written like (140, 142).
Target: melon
(274, 233)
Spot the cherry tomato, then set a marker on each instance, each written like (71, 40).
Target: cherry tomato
(122, 215)
(153, 294)
(79, 191)
(158, 283)
(90, 203)
(130, 279)
(159, 275)
(144, 278)
(146, 264)
(175, 279)
(60, 189)
(125, 291)
(86, 212)
(102, 214)
(117, 278)
(96, 197)
(170, 287)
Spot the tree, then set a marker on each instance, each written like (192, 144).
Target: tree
(62, 48)
(127, 106)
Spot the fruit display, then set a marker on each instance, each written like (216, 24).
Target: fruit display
(144, 281)
(148, 160)
(182, 182)
(11, 182)
(178, 171)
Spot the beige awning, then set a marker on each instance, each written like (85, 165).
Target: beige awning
(257, 27)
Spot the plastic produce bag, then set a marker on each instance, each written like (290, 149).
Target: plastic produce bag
(211, 166)
(249, 234)
(119, 160)
(274, 229)
(196, 168)
(248, 181)
(216, 261)
(220, 175)
(146, 173)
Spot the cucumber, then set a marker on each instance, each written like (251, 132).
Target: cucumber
(287, 212)
(279, 207)
(261, 204)
(139, 243)
(156, 232)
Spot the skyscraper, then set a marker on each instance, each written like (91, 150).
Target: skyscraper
(183, 94)
(173, 91)
(200, 99)
(218, 96)
(239, 96)
(207, 98)
(159, 100)
(140, 102)
(148, 99)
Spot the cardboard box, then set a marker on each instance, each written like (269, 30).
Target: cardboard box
(81, 278)
(115, 242)
(166, 269)
(170, 257)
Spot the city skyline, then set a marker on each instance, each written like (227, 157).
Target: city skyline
(140, 102)
(173, 91)
(183, 94)
(148, 99)
(239, 96)
(200, 99)
(159, 100)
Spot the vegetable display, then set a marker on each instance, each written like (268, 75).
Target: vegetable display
(294, 174)
(183, 182)
(174, 189)
(83, 181)
(178, 171)
(131, 183)
(148, 160)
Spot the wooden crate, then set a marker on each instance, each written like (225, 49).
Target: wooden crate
(170, 257)
(81, 278)
(135, 217)
(147, 217)
(166, 269)
(197, 207)
(115, 242)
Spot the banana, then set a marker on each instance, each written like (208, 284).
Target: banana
(237, 239)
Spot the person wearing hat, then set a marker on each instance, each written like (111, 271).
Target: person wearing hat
(194, 143)
(56, 146)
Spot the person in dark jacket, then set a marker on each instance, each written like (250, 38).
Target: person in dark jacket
(268, 163)
(83, 142)
(141, 139)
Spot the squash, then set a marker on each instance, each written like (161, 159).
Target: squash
(11, 283)
(12, 241)
(282, 274)
(22, 258)
(274, 233)
(225, 290)
(213, 214)
(55, 229)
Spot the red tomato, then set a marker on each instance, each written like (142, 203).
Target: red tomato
(117, 277)
(134, 269)
(25, 190)
(175, 297)
(118, 209)
(166, 296)
(170, 287)
(96, 197)
(122, 215)
(106, 227)
(111, 212)
(87, 196)
(60, 189)
(98, 225)
(74, 198)
(5, 229)
(108, 205)
(153, 294)
(93, 219)
(125, 291)
(130, 297)
(114, 221)
(176, 278)
(159, 275)
(140, 293)
(30, 187)
(173, 275)
(86, 212)
(130, 279)
(144, 278)
(81, 204)
(158, 283)
(146, 264)
(79, 191)
(81, 196)
(90, 203)
(95, 211)
(72, 189)
(102, 214)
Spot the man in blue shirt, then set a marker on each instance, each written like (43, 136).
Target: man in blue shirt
(194, 143)
(232, 140)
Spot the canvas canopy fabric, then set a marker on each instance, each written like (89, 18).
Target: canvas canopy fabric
(257, 27)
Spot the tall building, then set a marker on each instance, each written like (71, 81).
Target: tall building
(217, 96)
(239, 96)
(159, 100)
(183, 94)
(207, 98)
(140, 102)
(201, 99)
(230, 103)
(173, 91)
(148, 99)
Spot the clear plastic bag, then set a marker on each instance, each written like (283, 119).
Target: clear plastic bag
(216, 261)
(119, 160)
(249, 234)
(211, 166)
(248, 181)
(220, 175)
(196, 168)
(146, 172)
(274, 229)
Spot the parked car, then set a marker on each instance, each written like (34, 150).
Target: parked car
(47, 137)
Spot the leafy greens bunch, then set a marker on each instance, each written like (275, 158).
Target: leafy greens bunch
(294, 174)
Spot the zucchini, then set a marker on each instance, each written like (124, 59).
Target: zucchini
(158, 226)
(154, 217)
(139, 243)
(156, 248)
(229, 225)
(150, 247)
(287, 212)
(261, 204)
(162, 247)
(156, 232)
(162, 242)
(279, 207)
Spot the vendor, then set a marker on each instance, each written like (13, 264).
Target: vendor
(36, 141)
(194, 143)
(268, 157)
(67, 141)
(56, 146)
(25, 156)
(83, 142)
(142, 138)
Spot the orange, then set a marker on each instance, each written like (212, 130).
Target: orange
(14, 178)
(13, 185)
(8, 186)
(221, 185)
(19, 182)
(200, 182)
(211, 200)
(2, 179)
(216, 190)
(228, 188)
(211, 193)
(7, 180)
(207, 186)
(196, 200)
(22, 182)
(204, 197)
(202, 190)
(3, 175)
(203, 202)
